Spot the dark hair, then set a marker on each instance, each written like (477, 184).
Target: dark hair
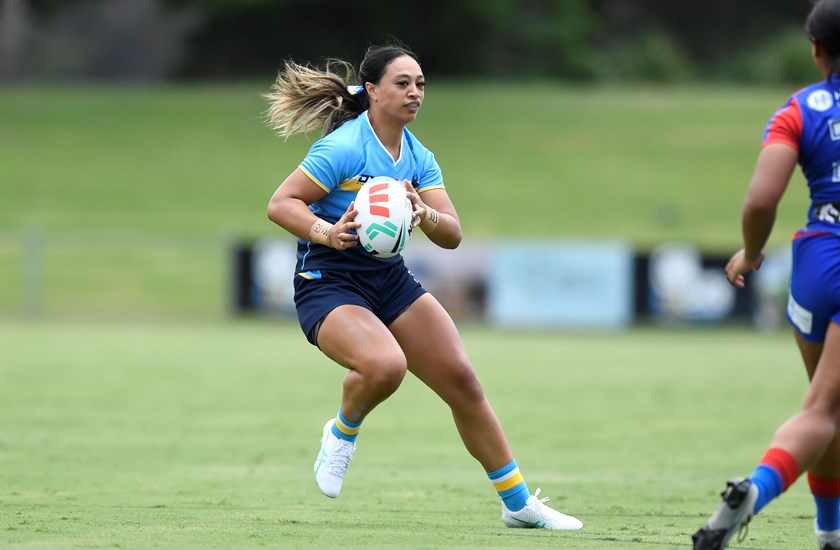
(377, 58)
(823, 24)
(304, 99)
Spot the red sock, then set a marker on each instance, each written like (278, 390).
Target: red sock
(827, 498)
(825, 488)
(784, 463)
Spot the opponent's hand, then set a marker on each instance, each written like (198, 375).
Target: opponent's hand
(738, 265)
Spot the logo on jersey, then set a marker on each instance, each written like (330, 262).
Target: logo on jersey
(820, 100)
(834, 129)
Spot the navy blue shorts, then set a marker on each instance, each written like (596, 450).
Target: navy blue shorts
(815, 285)
(386, 292)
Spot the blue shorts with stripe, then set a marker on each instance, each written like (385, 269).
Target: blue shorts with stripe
(386, 292)
(814, 285)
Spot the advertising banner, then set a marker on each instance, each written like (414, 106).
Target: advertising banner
(574, 285)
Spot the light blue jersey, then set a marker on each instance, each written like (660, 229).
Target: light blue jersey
(340, 163)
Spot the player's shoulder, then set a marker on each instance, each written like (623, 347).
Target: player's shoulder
(417, 148)
(819, 97)
(411, 138)
(345, 136)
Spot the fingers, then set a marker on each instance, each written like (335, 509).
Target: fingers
(346, 236)
(345, 229)
(412, 194)
(738, 281)
(417, 204)
(734, 275)
(738, 265)
(350, 213)
(348, 220)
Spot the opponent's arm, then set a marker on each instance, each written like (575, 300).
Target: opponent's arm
(772, 174)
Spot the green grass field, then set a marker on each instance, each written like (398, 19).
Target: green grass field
(134, 413)
(203, 435)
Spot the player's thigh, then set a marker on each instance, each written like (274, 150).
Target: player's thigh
(355, 338)
(810, 351)
(824, 392)
(433, 347)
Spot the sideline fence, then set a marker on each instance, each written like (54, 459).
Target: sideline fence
(560, 284)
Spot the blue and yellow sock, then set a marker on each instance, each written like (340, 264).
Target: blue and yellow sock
(344, 429)
(511, 486)
(827, 497)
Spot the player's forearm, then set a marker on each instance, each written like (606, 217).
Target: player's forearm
(296, 218)
(756, 224)
(441, 228)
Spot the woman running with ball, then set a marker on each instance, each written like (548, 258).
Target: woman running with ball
(805, 131)
(368, 314)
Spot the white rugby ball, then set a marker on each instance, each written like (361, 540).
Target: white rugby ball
(385, 214)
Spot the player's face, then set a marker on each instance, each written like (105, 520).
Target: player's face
(400, 91)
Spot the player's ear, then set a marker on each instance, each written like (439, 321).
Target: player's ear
(816, 49)
(370, 89)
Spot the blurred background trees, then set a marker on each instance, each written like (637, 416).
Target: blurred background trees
(576, 40)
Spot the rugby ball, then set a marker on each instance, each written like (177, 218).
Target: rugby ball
(385, 214)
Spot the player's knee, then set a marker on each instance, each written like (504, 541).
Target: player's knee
(385, 373)
(464, 382)
(823, 403)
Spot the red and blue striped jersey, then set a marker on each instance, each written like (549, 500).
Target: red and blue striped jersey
(810, 123)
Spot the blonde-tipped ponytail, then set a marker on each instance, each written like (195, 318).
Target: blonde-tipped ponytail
(303, 99)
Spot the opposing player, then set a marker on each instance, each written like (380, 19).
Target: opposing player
(806, 130)
(370, 315)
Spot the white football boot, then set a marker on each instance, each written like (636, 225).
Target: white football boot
(332, 462)
(536, 515)
(734, 512)
(827, 540)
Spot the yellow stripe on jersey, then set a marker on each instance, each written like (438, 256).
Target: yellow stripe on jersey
(350, 185)
(430, 188)
(314, 179)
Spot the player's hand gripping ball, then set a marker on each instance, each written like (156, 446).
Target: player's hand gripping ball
(385, 215)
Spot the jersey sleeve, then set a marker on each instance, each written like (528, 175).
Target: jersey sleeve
(430, 175)
(428, 172)
(328, 163)
(785, 126)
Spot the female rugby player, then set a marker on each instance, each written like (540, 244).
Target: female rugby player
(370, 315)
(805, 131)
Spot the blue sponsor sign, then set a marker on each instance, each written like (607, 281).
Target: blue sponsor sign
(574, 285)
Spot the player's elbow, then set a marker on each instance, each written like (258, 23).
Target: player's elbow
(451, 240)
(757, 204)
(763, 195)
(275, 210)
